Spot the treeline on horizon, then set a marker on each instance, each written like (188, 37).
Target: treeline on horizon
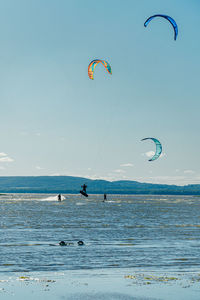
(72, 185)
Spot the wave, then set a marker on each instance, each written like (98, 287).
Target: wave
(53, 198)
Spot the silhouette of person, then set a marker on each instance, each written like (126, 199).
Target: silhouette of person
(84, 187)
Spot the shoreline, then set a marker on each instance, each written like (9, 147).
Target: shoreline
(101, 284)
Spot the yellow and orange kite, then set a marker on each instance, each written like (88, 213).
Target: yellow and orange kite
(93, 65)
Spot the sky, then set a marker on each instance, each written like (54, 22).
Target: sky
(56, 121)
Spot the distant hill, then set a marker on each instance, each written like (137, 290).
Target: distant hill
(72, 185)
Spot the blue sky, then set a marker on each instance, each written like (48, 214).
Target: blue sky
(54, 120)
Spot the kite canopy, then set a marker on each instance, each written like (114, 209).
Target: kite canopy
(172, 21)
(158, 148)
(93, 65)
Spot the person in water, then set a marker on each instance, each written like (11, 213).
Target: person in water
(80, 243)
(105, 197)
(62, 243)
(59, 197)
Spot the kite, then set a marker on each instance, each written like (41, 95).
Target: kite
(93, 65)
(158, 148)
(172, 21)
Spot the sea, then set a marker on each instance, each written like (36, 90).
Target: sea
(158, 233)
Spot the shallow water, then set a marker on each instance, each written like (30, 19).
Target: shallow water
(158, 233)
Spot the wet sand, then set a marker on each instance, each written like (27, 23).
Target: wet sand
(105, 284)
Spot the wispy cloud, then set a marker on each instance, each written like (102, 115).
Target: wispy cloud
(165, 179)
(39, 168)
(188, 172)
(5, 158)
(119, 171)
(2, 154)
(127, 165)
(177, 180)
(151, 153)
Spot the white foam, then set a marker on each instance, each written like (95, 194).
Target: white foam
(53, 198)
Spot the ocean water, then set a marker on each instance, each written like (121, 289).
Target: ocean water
(159, 233)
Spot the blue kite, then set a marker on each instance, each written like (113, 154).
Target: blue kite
(158, 148)
(172, 21)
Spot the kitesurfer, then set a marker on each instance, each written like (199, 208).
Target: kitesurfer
(83, 191)
(84, 187)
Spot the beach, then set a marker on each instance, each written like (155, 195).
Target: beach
(102, 284)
